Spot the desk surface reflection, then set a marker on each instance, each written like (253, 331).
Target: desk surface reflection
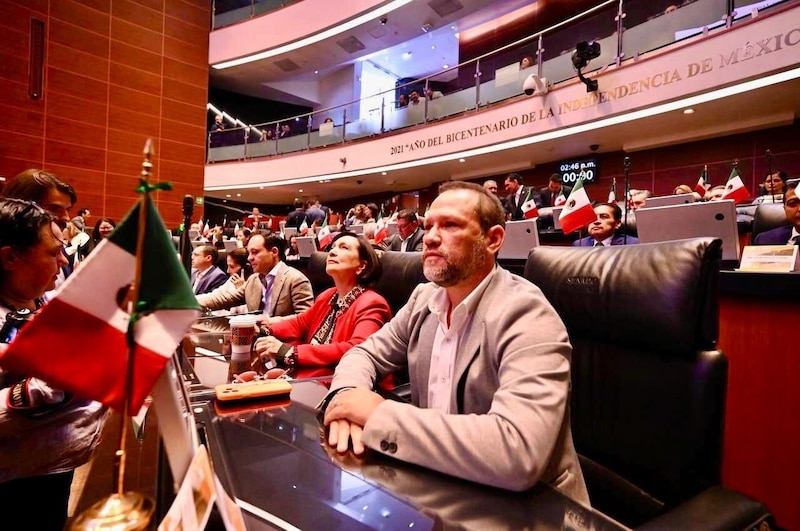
(270, 459)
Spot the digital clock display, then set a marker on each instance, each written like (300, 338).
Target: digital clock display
(571, 170)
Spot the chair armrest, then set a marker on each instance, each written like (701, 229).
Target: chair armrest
(714, 509)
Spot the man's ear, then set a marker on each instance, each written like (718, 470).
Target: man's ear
(495, 237)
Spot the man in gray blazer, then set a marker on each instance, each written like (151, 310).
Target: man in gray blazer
(488, 360)
(282, 290)
(409, 234)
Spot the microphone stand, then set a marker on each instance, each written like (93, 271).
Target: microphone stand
(185, 242)
(627, 165)
(768, 156)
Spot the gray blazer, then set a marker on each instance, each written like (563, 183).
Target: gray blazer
(511, 387)
(291, 295)
(393, 242)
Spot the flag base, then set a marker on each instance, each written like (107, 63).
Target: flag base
(129, 511)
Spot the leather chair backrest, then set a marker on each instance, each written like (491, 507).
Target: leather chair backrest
(402, 272)
(648, 385)
(768, 216)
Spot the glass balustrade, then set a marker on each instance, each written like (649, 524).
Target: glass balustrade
(493, 78)
(227, 12)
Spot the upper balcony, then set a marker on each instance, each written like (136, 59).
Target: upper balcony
(738, 71)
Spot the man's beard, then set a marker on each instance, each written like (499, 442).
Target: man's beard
(454, 272)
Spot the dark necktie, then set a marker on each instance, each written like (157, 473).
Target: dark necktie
(599, 244)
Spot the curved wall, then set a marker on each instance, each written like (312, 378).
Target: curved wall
(283, 26)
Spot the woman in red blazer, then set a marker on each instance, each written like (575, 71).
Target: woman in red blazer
(340, 318)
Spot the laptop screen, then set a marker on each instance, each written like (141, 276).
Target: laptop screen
(716, 219)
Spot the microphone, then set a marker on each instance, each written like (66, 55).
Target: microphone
(188, 206)
(768, 156)
(627, 164)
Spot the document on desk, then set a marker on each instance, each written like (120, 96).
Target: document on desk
(770, 258)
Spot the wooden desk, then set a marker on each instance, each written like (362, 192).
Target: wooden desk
(759, 316)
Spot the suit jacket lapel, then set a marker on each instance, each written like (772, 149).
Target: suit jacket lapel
(276, 290)
(427, 333)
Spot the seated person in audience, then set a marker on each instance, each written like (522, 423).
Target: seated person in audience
(340, 318)
(102, 230)
(554, 188)
(278, 290)
(219, 124)
(715, 193)
(409, 234)
(292, 252)
(415, 99)
(773, 189)
(490, 186)
(267, 134)
(603, 230)
(402, 100)
(206, 276)
(433, 94)
(788, 234)
(526, 62)
(239, 270)
(686, 189)
(243, 236)
(639, 199)
(285, 131)
(252, 221)
(488, 359)
(45, 434)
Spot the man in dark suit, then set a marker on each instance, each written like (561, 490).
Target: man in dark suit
(517, 196)
(409, 234)
(603, 230)
(206, 276)
(787, 234)
(550, 193)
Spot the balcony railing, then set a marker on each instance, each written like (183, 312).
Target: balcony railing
(227, 12)
(625, 30)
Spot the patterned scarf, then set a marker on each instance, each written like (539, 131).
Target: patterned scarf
(325, 332)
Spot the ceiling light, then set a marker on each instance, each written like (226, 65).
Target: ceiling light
(461, 160)
(300, 190)
(433, 46)
(227, 195)
(383, 173)
(318, 37)
(316, 71)
(688, 111)
(406, 55)
(238, 195)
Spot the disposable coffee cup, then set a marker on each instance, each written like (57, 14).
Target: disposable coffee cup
(242, 334)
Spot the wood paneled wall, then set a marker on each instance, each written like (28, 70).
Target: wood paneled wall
(661, 170)
(115, 73)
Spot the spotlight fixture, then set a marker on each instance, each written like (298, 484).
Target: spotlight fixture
(534, 84)
(585, 52)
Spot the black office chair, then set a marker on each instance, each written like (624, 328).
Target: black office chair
(648, 384)
(768, 216)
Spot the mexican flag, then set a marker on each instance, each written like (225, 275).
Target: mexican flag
(381, 229)
(734, 189)
(561, 199)
(303, 228)
(324, 236)
(78, 342)
(702, 182)
(529, 210)
(578, 211)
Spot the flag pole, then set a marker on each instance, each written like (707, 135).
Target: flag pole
(768, 156)
(127, 510)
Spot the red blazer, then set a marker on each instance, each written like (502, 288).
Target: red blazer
(365, 316)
